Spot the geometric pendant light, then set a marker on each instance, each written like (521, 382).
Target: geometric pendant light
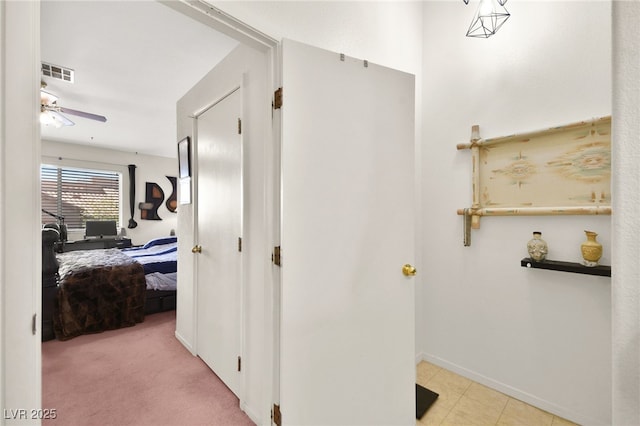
(489, 17)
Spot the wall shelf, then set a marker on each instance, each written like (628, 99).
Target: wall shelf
(578, 268)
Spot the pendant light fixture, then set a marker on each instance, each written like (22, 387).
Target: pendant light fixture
(489, 17)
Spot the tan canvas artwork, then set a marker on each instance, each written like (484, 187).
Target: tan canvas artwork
(562, 170)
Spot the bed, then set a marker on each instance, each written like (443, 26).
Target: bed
(105, 289)
(159, 260)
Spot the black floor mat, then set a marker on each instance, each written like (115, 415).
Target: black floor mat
(424, 399)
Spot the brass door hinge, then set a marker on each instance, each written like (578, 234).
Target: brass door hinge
(275, 257)
(239, 243)
(239, 126)
(239, 364)
(277, 99)
(277, 415)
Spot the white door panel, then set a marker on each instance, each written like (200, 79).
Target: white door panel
(219, 225)
(347, 311)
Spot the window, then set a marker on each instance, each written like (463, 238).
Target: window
(79, 195)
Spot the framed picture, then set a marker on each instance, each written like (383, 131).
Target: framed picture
(564, 170)
(184, 158)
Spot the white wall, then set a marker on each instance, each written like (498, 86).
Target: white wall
(386, 33)
(626, 268)
(541, 336)
(149, 168)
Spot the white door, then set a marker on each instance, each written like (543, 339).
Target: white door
(347, 310)
(219, 227)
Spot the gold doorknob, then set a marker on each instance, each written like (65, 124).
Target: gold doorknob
(196, 249)
(409, 270)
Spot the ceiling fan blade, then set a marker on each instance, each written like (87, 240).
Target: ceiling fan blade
(51, 117)
(83, 114)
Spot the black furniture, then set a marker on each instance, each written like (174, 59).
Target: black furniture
(49, 281)
(556, 265)
(93, 244)
(159, 301)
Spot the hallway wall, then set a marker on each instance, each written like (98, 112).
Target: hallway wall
(541, 336)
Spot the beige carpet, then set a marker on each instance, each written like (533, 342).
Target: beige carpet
(138, 375)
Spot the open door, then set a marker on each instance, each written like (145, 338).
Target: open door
(347, 351)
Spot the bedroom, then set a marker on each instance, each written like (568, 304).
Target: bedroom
(136, 145)
(535, 109)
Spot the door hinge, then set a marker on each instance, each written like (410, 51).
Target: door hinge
(275, 256)
(239, 243)
(276, 415)
(239, 364)
(239, 126)
(277, 99)
(34, 324)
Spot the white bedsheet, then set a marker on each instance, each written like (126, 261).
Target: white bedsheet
(158, 281)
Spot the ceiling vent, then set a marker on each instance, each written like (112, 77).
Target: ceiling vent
(57, 72)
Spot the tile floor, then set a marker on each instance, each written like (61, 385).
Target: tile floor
(466, 403)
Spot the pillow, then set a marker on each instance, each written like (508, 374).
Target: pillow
(160, 241)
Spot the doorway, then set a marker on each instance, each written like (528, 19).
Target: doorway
(254, 226)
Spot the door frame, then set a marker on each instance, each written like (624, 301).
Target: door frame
(20, 270)
(249, 36)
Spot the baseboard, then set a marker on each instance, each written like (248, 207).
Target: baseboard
(185, 343)
(511, 391)
(244, 407)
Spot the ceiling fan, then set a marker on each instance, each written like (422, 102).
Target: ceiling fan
(51, 112)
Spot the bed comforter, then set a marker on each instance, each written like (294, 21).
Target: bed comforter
(98, 290)
(159, 257)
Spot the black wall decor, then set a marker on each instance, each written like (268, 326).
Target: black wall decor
(153, 200)
(132, 194)
(172, 201)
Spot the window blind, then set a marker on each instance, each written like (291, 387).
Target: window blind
(79, 195)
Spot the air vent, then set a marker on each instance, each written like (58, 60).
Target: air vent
(57, 72)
